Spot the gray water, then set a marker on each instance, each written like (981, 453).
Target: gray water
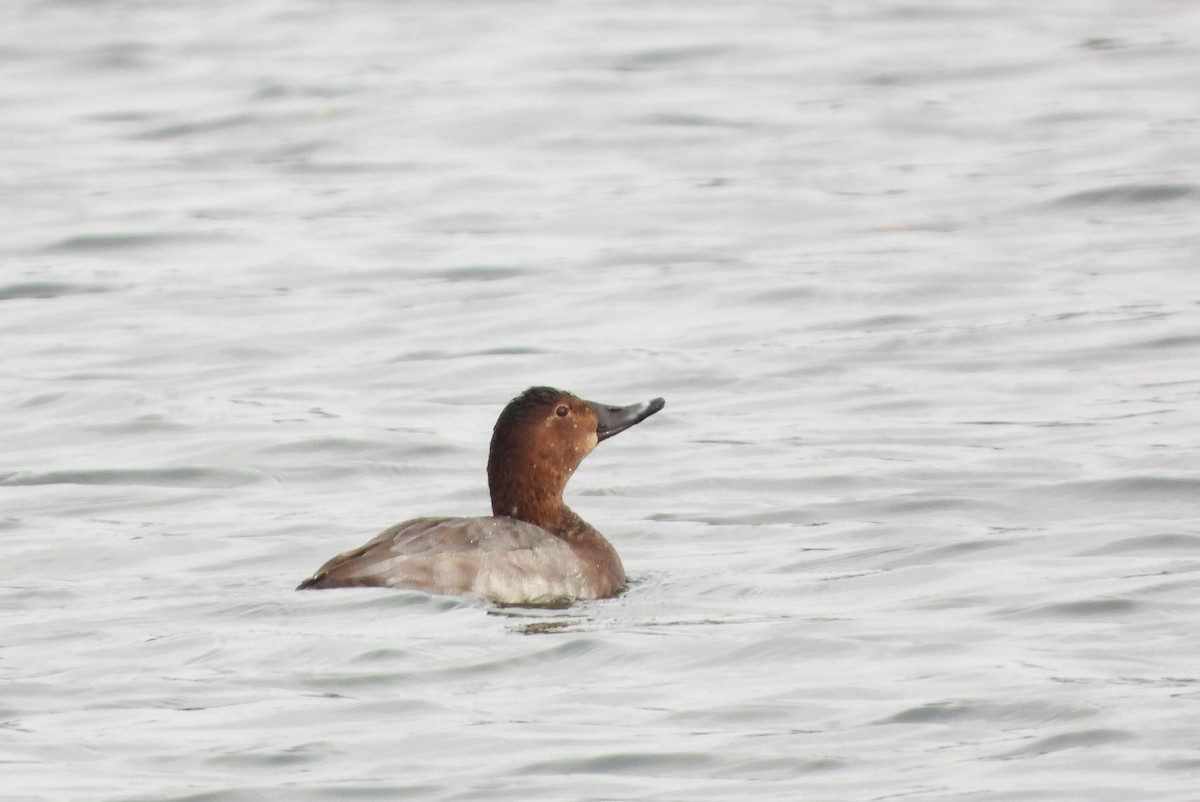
(919, 282)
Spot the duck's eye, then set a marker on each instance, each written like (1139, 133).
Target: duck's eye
(562, 411)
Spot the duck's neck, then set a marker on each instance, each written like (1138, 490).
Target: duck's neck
(527, 495)
(521, 499)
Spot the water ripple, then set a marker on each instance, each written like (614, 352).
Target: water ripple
(1131, 195)
(163, 477)
(47, 289)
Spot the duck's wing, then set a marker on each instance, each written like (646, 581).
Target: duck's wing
(492, 558)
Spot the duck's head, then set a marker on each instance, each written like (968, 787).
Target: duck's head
(539, 440)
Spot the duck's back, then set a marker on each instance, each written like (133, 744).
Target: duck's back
(496, 558)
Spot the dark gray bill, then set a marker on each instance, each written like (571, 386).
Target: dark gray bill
(612, 420)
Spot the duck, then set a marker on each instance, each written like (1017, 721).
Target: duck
(533, 549)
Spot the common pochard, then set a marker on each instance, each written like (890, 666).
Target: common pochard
(533, 549)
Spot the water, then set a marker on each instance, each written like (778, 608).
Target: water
(921, 519)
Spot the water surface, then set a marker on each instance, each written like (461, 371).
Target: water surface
(918, 281)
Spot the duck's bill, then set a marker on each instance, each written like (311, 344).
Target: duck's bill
(613, 420)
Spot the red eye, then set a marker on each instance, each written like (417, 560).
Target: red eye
(562, 411)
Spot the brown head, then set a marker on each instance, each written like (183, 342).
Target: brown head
(539, 440)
